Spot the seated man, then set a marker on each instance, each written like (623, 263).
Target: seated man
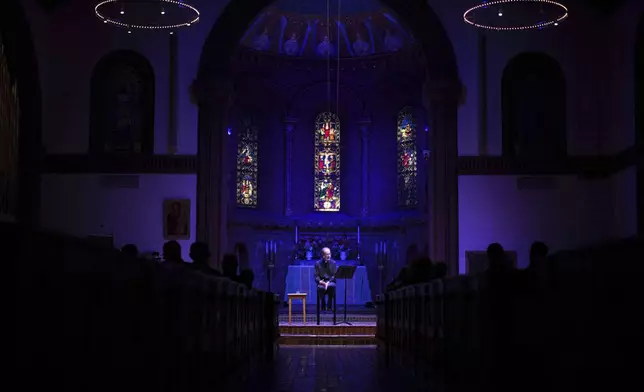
(325, 270)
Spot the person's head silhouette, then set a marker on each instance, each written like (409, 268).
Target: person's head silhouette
(538, 252)
(496, 255)
(130, 250)
(172, 252)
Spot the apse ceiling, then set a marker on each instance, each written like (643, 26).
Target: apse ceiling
(312, 29)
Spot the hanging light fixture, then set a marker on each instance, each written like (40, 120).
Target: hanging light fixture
(147, 14)
(515, 15)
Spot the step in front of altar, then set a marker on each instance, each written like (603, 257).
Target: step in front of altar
(328, 334)
(363, 329)
(326, 340)
(326, 318)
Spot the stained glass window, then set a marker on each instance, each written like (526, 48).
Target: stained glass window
(407, 162)
(327, 162)
(247, 147)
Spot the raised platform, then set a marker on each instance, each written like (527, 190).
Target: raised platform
(361, 332)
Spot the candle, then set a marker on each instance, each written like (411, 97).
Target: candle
(297, 233)
(358, 234)
(274, 247)
(266, 242)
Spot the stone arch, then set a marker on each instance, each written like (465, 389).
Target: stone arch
(122, 98)
(442, 89)
(533, 90)
(639, 119)
(20, 53)
(232, 23)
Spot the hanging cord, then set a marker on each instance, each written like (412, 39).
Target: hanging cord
(337, 75)
(328, 55)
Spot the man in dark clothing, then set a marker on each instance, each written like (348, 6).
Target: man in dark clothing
(200, 254)
(325, 270)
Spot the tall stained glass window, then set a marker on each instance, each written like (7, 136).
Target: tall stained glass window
(407, 162)
(247, 147)
(327, 162)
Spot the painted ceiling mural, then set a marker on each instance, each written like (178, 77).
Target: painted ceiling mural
(321, 28)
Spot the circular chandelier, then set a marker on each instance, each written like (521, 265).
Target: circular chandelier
(513, 15)
(147, 14)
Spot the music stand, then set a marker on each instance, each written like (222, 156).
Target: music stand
(345, 272)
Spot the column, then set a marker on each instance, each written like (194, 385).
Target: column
(442, 102)
(289, 126)
(172, 95)
(365, 127)
(482, 76)
(214, 95)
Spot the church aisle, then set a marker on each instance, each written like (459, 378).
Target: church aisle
(329, 369)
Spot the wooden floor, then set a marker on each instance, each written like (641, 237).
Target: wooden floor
(330, 369)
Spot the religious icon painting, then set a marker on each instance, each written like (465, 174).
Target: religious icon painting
(407, 159)
(176, 219)
(327, 162)
(247, 164)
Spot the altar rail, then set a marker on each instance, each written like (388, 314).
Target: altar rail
(576, 322)
(92, 319)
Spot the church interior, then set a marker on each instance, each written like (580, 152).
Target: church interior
(185, 183)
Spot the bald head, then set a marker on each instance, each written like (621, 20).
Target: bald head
(326, 254)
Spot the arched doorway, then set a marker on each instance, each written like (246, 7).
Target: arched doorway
(22, 68)
(639, 121)
(442, 90)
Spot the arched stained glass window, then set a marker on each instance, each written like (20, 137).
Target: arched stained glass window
(407, 162)
(247, 149)
(327, 162)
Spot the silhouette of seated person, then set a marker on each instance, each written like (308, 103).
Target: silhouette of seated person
(172, 253)
(200, 255)
(421, 270)
(399, 280)
(229, 267)
(499, 302)
(440, 271)
(130, 250)
(246, 277)
(538, 258)
(325, 270)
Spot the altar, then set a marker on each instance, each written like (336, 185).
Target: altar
(301, 278)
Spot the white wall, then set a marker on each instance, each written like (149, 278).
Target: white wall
(492, 209)
(80, 206)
